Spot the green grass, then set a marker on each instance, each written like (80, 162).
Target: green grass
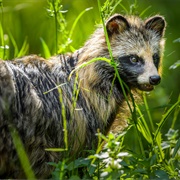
(21, 153)
(147, 149)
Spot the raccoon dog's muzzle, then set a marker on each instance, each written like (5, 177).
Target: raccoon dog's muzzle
(153, 80)
(148, 79)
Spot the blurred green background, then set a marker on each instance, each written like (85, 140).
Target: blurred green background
(29, 19)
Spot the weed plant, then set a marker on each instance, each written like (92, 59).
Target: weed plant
(157, 155)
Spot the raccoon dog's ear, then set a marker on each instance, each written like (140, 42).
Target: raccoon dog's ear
(157, 24)
(116, 24)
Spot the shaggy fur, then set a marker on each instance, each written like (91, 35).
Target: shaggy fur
(36, 95)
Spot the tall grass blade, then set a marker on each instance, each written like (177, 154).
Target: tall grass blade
(176, 113)
(21, 153)
(124, 8)
(89, 62)
(143, 127)
(112, 59)
(61, 173)
(133, 7)
(46, 50)
(122, 84)
(77, 19)
(114, 7)
(144, 11)
(16, 49)
(2, 45)
(148, 112)
(24, 49)
(158, 141)
(63, 112)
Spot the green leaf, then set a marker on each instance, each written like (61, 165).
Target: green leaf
(165, 116)
(153, 160)
(161, 174)
(176, 148)
(176, 40)
(81, 162)
(92, 169)
(111, 136)
(175, 65)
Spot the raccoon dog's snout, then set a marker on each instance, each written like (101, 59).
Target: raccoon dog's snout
(154, 80)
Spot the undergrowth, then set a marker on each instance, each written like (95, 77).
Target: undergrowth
(158, 155)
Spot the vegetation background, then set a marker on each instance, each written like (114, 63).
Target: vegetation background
(27, 23)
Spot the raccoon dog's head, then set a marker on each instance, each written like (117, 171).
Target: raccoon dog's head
(137, 48)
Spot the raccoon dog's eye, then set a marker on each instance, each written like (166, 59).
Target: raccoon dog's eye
(156, 59)
(134, 59)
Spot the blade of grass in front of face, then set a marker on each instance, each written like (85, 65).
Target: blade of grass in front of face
(111, 55)
(87, 63)
(123, 85)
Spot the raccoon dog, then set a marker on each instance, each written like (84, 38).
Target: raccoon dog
(37, 96)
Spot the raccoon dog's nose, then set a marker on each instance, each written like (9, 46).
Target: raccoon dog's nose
(154, 80)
